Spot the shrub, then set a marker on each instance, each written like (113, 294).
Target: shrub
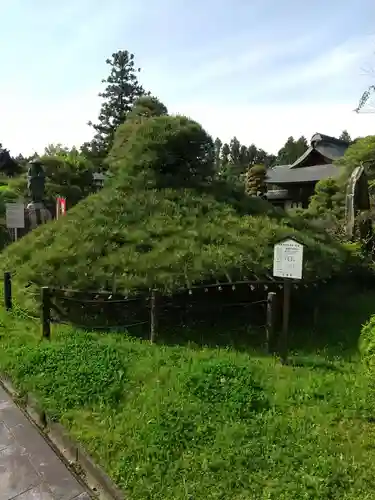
(68, 174)
(7, 195)
(367, 343)
(147, 107)
(329, 198)
(367, 349)
(361, 152)
(255, 180)
(165, 238)
(165, 150)
(147, 235)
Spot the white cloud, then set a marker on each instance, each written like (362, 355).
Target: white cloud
(343, 60)
(28, 126)
(29, 123)
(239, 55)
(269, 126)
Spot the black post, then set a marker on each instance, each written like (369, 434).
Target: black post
(8, 291)
(45, 297)
(271, 320)
(153, 317)
(316, 315)
(286, 313)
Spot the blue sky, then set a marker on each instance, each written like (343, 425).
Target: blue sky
(258, 69)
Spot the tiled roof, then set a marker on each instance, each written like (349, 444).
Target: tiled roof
(329, 147)
(286, 174)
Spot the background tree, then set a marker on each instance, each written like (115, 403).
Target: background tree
(255, 184)
(235, 159)
(361, 152)
(234, 155)
(291, 150)
(217, 145)
(122, 90)
(345, 136)
(270, 160)
(8, 165)
(252, 154)
(22, 161)
(225, 171)
(261, 157)
(243, 158)
(224, 156)
(68, 174)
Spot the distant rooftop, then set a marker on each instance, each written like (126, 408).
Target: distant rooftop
(315, 163)
(285, 174)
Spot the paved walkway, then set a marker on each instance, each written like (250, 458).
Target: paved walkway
(29, 468)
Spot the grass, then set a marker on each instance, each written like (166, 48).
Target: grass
(183, 422)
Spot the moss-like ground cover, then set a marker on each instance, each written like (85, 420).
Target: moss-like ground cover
(173, 422)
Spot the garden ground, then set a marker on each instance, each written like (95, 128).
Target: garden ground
(179, 422)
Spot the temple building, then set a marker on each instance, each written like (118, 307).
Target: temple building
(291, 186)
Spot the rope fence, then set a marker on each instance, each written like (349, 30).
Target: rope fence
(255, 302)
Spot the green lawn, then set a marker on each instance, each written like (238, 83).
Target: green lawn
(184, 422)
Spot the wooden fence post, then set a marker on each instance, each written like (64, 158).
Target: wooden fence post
(114, 289)
(153, 317)
(271, 320)
(45, 297)
(8, 291)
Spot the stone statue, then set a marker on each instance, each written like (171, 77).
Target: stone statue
(36, 181)
(36, 211)
(358, 202)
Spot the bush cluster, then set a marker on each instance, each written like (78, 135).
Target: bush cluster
(163, 221)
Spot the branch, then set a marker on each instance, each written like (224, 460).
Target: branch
(365, 97)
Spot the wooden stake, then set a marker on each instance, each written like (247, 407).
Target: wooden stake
(315, 315)
(271, 320)
(8, 291)
(113, 284)
(153, 317)
(45, 297)
(286, 314)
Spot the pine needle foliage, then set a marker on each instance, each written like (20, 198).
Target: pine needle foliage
(162, 221)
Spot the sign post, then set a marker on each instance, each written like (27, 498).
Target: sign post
(287, 264)
(15, 217)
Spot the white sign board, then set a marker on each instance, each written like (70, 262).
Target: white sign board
(288, 259)
(15, 215)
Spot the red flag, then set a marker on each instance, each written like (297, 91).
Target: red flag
(60, 207)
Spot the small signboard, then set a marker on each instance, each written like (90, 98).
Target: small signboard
(288, 259)
(15, 215)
